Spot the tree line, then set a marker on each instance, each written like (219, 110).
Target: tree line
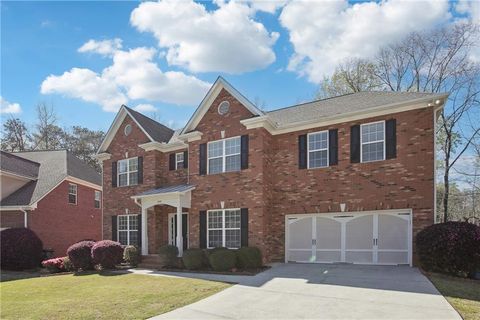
(48, 135)
(436, 61)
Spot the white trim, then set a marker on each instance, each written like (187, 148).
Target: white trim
(112, 131)
(128, 172)
(388, 109)
(435, 119)
(19, 208)
(209, 98)
(170, 235)
(16, 175)
(83, 183)
(327, 149)
(102, 156)
(191, 136)
(95, 199)
(162, 146)
(163, 194)
(176, 160)
(371, 142)
(223, 228)
(73, 194)
(224, 155)
(128, 230)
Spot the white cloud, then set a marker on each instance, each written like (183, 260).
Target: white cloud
(133, 75)
(87, 85)
(103, 47)
(144, 107)
(270, 6)
(227, 39)
(471, 12)
(8, 107)
(325, 33)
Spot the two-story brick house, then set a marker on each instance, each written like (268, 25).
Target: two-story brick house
(345, 179)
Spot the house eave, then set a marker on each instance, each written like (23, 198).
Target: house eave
(163, 147)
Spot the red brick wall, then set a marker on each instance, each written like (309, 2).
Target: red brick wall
(60, 224)
(11, 219)
(155, 174)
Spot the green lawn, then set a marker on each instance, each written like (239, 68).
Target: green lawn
(463, 294)
(94, 296)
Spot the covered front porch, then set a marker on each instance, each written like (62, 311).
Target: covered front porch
(178, 200)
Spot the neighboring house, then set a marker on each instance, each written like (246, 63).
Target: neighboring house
(345, 179)
(53, 193)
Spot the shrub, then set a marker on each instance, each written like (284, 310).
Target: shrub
(168, 256)
(67, 264)
(249, 258)
(54, 265)
(80, 254)
(21, 249)
(451, 247)
(131, 255)
(222, 260)
(193, 259)
(107, 254)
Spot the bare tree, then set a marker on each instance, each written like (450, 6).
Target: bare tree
(48, 135)
(15, 136)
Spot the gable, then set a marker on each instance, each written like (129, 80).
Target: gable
(211, 98)
(120, 140)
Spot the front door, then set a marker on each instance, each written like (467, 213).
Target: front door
(172, 229)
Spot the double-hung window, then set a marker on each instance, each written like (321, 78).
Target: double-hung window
(128, 229)
(128, 172)
(223, 228)
(372, 141)
(179, 161)
(97, 201)
(72, 193)
(224, 155)
(318, 149)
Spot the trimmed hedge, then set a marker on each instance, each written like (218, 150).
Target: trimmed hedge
(80, 254)
(168, 255)
(222, 260)
(249, 258)
(193, 259)
(451, 247)
(131, 255)
(21, 249)
(107, 254)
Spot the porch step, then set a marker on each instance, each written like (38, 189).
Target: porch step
(151, 261)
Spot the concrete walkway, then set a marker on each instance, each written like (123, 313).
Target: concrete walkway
(313, 291)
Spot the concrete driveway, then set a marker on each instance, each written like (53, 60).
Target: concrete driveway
(313, 291)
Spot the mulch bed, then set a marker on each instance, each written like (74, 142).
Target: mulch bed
(247, 272)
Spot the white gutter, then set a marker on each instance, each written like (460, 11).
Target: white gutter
(25, 218)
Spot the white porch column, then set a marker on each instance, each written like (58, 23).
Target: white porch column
(179, 228)
(144, 232)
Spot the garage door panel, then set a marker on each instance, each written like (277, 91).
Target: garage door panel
(392, 257)
(301, 256)
(359, 233)
(392, 232)
(359, 256)
(328, 256)
(329, 233)
(301, 233)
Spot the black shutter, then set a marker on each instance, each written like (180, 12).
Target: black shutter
(203, 229)
(332, 147)
(185, 159)
(114, 174)
(139, 232)
(244, 227)
(302, 151)
(203, 159)
(391, 138)
(114, 228)
(185, 231)
(171, 162)
(244, 151)
(355, 144)
(140, 170)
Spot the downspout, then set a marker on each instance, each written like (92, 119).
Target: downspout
(25, 218)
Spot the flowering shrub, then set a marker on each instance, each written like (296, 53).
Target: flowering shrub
(107, 253)
(21, 249)
(54, 265)
(451, 247)
(80, 254)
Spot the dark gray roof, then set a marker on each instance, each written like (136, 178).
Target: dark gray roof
(17, 165)
(170, 189)
(157, 131)
(54, 167)
(360, 101)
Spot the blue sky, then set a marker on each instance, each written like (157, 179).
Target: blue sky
(272, 52)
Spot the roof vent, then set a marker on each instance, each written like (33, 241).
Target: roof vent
(223, 108)
(128, 129)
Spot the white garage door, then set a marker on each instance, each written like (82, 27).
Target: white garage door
(378, 237)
